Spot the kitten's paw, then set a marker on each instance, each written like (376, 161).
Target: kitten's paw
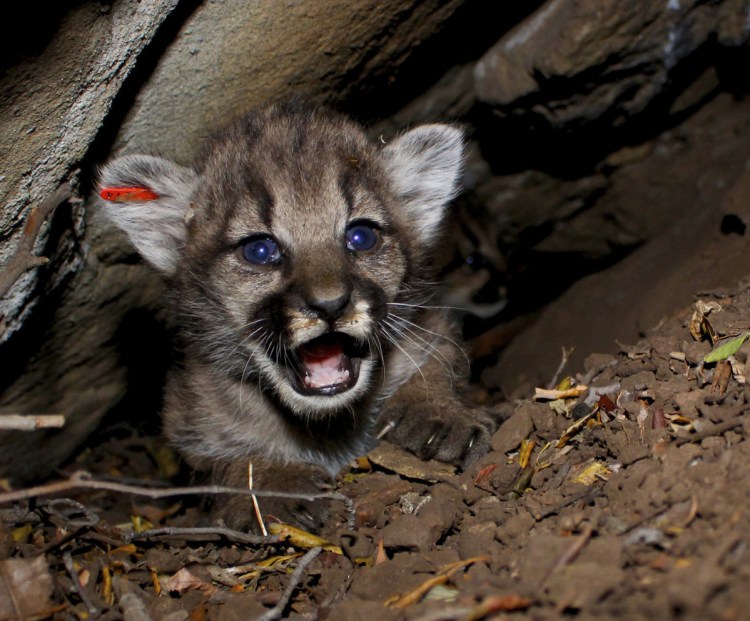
(456, 435)
(238, 512)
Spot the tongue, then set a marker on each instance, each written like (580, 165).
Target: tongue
(324, 364)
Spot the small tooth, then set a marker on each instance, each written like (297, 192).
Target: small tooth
(346, 375)
(308, 381)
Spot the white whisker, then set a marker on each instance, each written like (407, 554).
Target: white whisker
(437, 335)
(428, 348)
(426, 306)
(395, 342)
(379, 346)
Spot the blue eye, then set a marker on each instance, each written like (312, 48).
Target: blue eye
(261, 251)
(361, 237)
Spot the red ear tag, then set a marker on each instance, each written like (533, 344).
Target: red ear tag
(125, 195)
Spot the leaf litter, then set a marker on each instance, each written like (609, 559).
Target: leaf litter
(622, 494)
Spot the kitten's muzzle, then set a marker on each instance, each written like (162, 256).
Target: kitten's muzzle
(327, 365)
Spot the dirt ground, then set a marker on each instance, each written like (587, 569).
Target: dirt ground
(633, 504)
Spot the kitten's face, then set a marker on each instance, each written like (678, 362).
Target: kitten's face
(304, 261)
(290, 244)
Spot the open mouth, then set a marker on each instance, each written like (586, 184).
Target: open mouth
(327, 365)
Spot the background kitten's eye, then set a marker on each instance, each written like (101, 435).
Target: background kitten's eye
(360, 237)
(261, 251)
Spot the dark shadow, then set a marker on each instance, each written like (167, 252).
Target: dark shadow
(473, 28)
(29, 28)
(143, 343)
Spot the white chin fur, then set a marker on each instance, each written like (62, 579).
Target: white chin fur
(314, 406)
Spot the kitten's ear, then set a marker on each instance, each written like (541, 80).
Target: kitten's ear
(149, 199)
(424, 166)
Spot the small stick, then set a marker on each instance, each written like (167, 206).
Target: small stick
(709, 432)
(131, 604)
(278, 610)
(77, 586)
(185, 533)
(258, 515)
(572, 553)
(565, 355)
(83, 480)
(586, 495)
(24, 258)
(31, 422)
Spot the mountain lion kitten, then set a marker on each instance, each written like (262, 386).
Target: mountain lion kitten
(297, 255)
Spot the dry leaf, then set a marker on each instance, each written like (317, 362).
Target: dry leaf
(699, 326)
(363, 463)
(588, 474)
(184, 580)
(722, 375)
(738, 370)
(21, 534)
(380, 555)
(565, 384)
(301, 538)
(575, 428)
(498, 604)
(25, 588)
(128, 548)
(606, 404)
(441, 593)
(155, 580)
(559, 407)
(273, 563)
(522, 482)
(140, 523)
(524, 455)
(107, 592)
(484, 474)
(658, 420)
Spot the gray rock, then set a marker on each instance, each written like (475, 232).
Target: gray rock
(52, 106)
(584, 60)
(516, 429)
(231, 56)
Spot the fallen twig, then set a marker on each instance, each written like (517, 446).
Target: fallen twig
(565, 357)
(77, 586)
(131, 603)
(256, 506)
(585, 495)
(415, 595)
(572, 552)
(491, 604)
(278, 610)
(543, 394)
(82, 480)
(202, 531)
(710, 432)
(31, 422)
(24, 258)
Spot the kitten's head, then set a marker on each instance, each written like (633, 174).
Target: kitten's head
(288, 244)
